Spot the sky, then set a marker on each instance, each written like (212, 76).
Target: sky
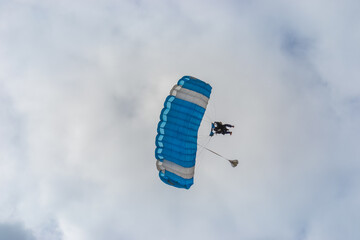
(82, 84)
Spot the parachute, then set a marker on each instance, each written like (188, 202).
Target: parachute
(177, 131)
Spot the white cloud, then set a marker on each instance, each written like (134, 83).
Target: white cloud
(15, 231)
(81, 87)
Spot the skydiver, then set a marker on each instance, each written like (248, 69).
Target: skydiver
(221, 128)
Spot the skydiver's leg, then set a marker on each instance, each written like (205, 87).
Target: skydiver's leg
(226, 131)
(228, 125)
(223, 133)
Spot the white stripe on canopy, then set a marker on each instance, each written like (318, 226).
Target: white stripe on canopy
(186, 173)
(190, 96)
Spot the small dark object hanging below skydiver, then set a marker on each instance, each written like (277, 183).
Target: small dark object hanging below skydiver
(220, 128)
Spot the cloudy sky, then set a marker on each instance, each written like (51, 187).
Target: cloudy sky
(82, 84)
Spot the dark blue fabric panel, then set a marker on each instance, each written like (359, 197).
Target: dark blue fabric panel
(188, 107)
(168, 140)
(186, 117)
(176, 181)
(195, 81)
(178, 135)
(195, 85)
(180, 122)
(200, 83)
(185, 158)
(179, 150)
(177, 128)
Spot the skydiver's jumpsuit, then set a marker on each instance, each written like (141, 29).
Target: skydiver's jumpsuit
(222, 128)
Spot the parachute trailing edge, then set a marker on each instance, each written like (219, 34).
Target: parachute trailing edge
(177, 131)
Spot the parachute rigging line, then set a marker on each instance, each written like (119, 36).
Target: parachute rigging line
(233, 162)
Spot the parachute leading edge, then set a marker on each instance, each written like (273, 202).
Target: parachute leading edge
(176, 141)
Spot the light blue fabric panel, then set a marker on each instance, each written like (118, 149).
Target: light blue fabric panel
(177, 130)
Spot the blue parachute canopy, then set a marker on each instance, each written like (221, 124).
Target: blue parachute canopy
(177, 131)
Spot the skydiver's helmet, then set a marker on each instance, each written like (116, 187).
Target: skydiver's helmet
(218, 124)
